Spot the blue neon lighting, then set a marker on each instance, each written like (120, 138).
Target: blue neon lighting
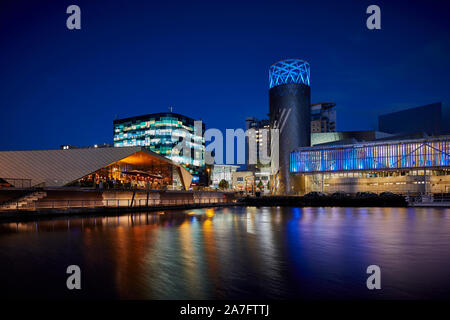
(289, 71)
(401, 155)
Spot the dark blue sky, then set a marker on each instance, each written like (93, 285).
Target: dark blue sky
(208, 60)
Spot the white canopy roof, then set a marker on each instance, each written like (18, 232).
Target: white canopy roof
(59, 167)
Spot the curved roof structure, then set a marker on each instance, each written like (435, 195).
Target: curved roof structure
(56, 168)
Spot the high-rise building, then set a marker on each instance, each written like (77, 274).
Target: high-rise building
(323, 117)
(161, 132)
(290, 112)
(261, 134)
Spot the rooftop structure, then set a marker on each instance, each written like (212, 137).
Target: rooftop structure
(346, 137)
(289, 71)
(429, 118)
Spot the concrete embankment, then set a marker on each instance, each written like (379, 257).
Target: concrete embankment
(79, 202)
(21, 216)
(321, 200)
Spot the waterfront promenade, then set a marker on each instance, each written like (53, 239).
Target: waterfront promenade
(31, 203)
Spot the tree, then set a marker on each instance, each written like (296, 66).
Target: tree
(223, 184)
(260, 185)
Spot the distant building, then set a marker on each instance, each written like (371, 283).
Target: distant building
(261, 138)
(262, 180)
(222, 172)
(429, 119)
(323, 117)
(156, 131)
(244, 181)
(250, 181)
(323, 120)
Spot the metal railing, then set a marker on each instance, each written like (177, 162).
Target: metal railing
(18, 183)
(113, 203)
(428, 199)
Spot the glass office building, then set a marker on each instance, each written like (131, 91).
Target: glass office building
(161, 133)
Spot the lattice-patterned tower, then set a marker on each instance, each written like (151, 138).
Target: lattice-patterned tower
(290, 112)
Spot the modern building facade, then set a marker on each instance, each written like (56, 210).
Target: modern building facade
(160, 133)
(244, 181)
(263, 181)
(323, 117)
(401, 166)
(431, 119)
(290, 112)
(121, 168)
(222, 172)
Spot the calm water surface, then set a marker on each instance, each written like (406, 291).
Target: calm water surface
(232, 253)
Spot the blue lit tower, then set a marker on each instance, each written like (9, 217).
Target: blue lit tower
(289, 111)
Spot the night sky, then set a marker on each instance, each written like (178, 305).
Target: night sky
(208, 60)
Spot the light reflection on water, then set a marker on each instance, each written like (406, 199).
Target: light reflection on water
(240, 252)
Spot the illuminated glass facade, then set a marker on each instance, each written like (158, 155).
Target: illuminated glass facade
(408, 154)
(161, 132)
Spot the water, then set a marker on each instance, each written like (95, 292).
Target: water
(232, 253)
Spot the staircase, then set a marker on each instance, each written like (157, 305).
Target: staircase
(25, 202)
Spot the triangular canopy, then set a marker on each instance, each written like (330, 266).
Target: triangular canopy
(60, 167)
